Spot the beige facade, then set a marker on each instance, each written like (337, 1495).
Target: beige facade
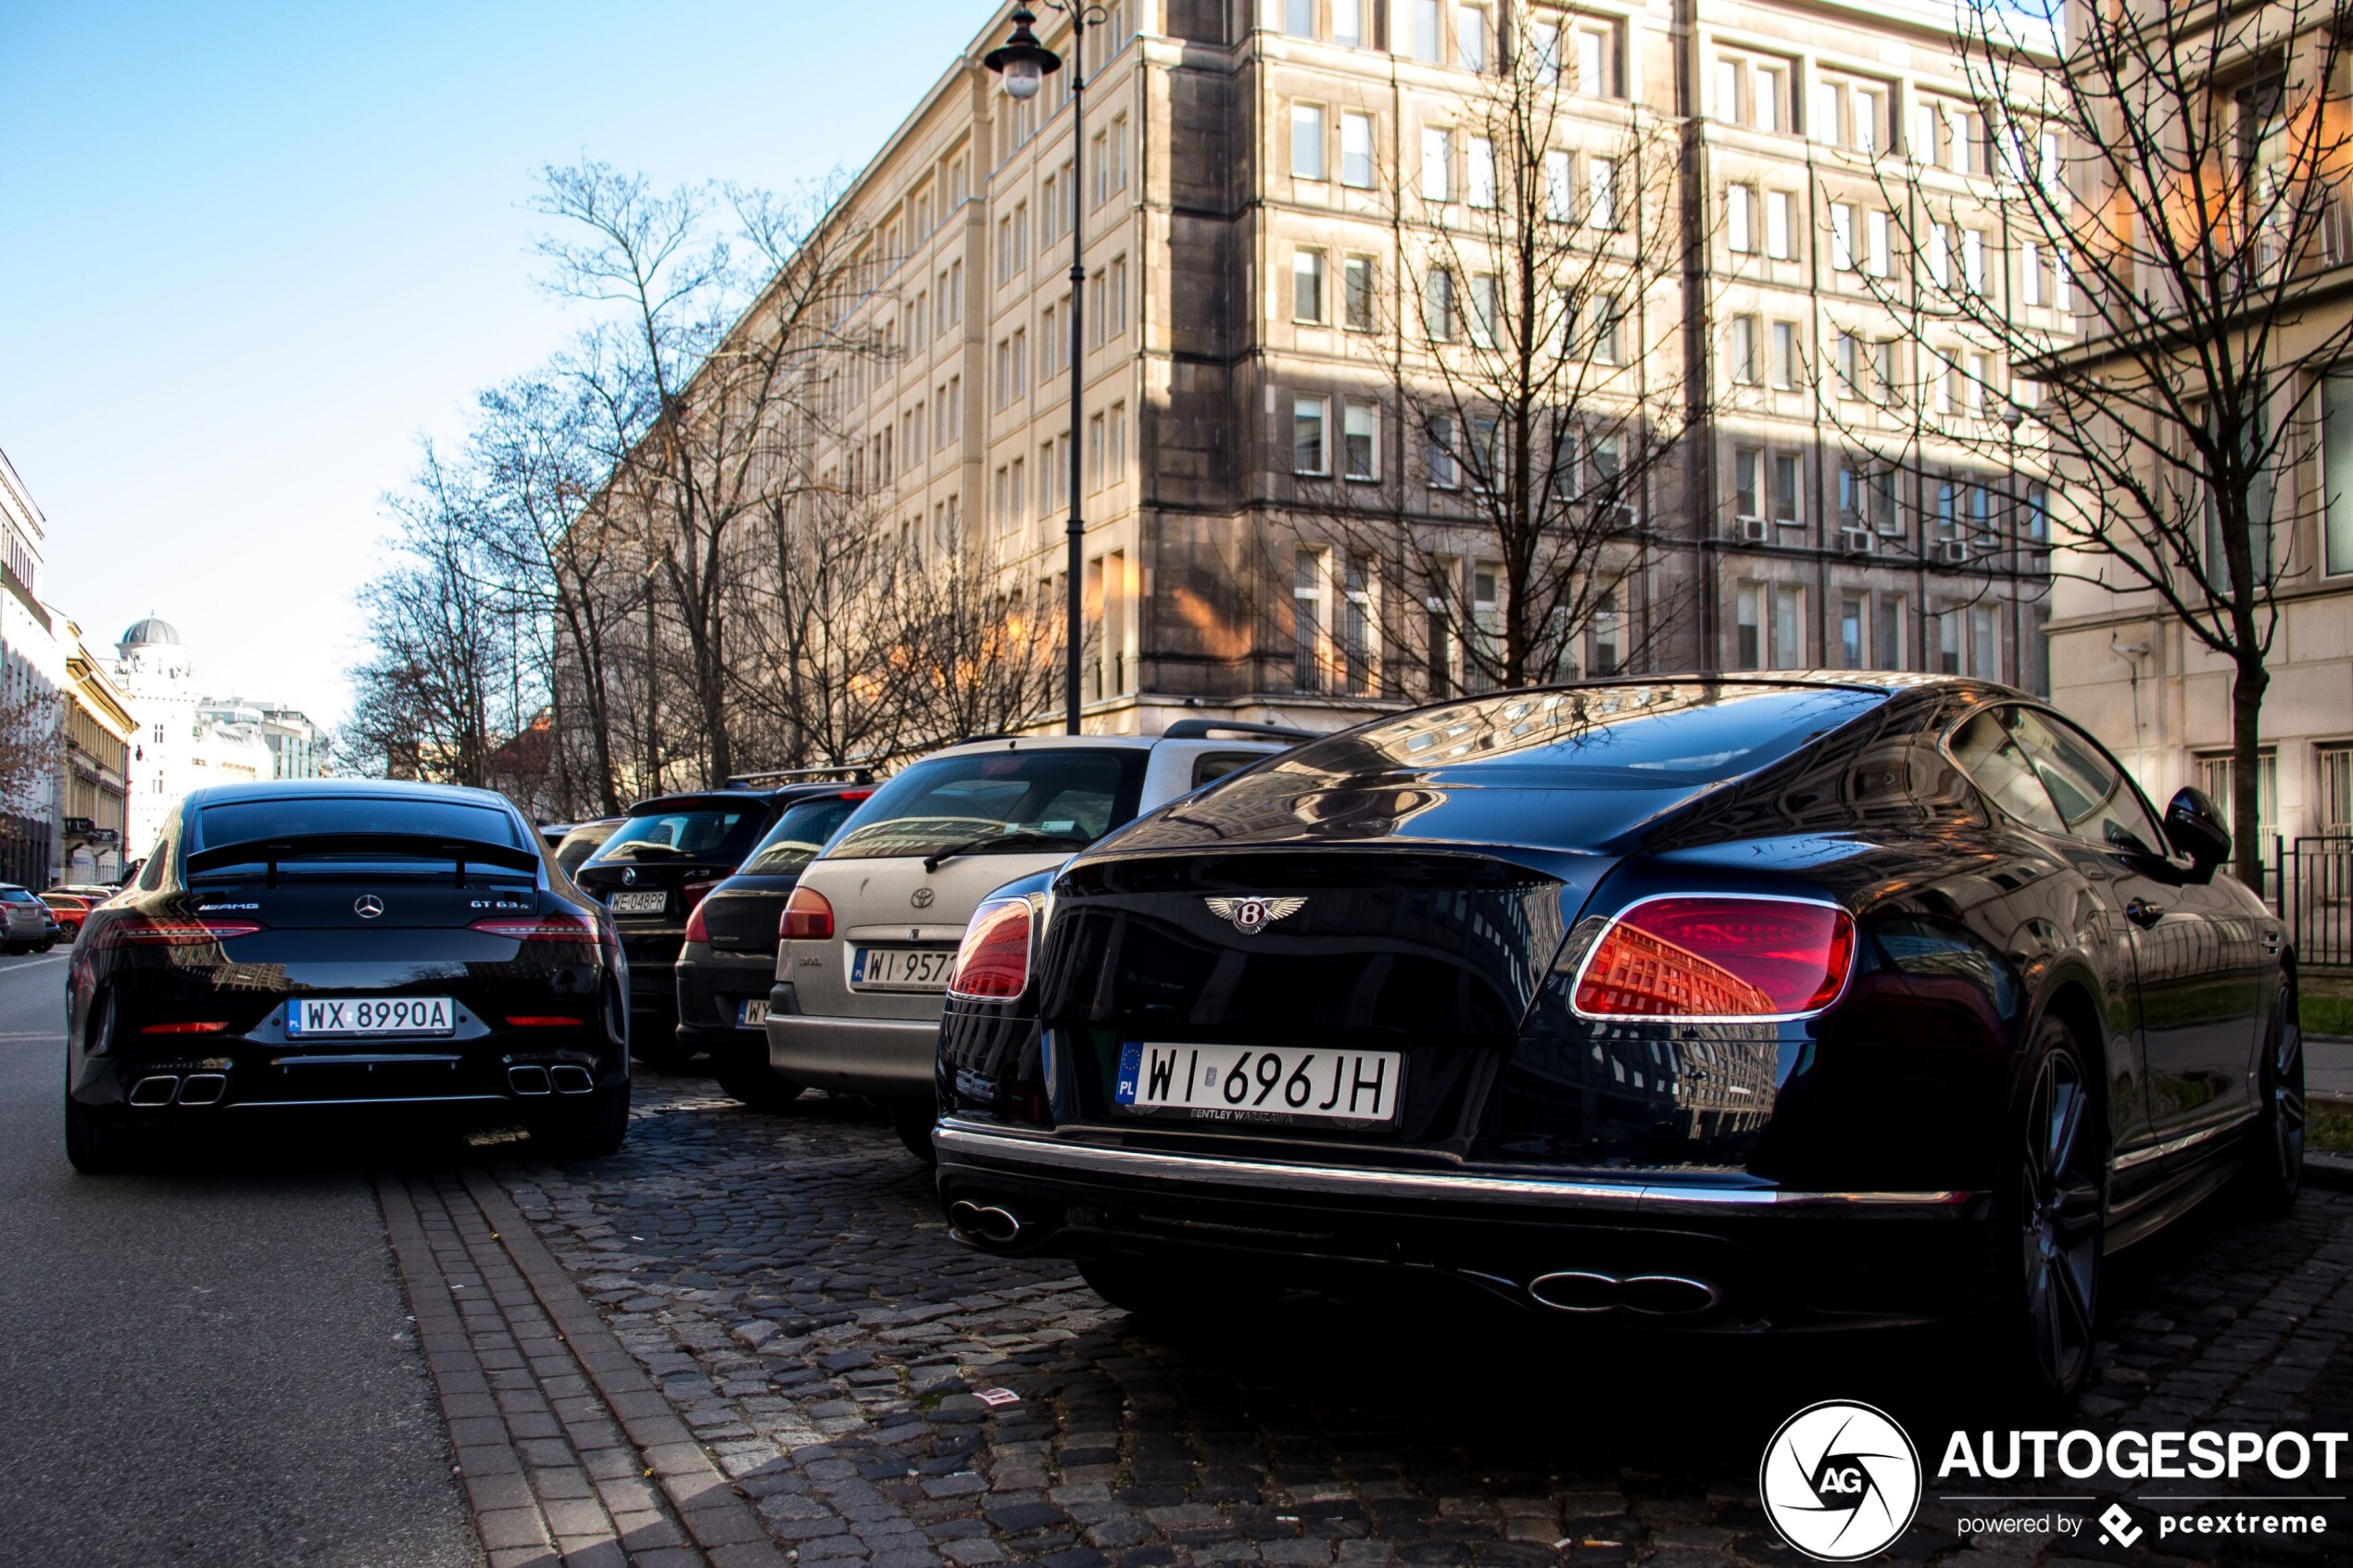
(1234, 148)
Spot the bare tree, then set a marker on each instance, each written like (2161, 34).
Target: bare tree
(2163, 186)
(691, 384)
(969, 656)
(1533, 402)
(31, 744)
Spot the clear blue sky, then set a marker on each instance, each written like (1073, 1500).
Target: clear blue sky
(250, 254)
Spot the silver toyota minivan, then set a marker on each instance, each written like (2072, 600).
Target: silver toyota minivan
(871, 932)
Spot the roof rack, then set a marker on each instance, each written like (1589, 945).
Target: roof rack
(854, 773)
(1201, 728)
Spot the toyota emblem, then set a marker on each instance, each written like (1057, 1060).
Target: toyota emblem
(368, 906)
(1251, 916)
(921, 897)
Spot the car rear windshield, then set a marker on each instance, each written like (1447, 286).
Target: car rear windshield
(1052, 798)
(798, 836)
(704, 831)
(302, 816)
(1670, 736)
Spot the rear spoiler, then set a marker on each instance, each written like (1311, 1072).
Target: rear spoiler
(269, 852)
(1201, 728)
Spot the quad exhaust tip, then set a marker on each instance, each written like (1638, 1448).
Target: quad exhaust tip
(203, 1088)
(569, 1078)
(157, 1090)
(528, 1080)
(1000, 1227)
(1654, 1296)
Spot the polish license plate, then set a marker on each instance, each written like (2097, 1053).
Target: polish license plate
(651, 903)
(1252, 1082)
(753, 1013)
(376, 1016)
(902, 968)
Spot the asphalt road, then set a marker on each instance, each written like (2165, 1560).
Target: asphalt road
(210, 1362)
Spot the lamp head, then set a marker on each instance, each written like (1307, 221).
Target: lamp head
(1021, 60)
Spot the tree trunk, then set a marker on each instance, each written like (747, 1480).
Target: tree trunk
(2246, 714)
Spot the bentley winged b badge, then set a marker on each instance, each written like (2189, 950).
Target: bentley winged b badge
(1251, 916)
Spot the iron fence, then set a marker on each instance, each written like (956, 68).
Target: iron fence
(2312, 888)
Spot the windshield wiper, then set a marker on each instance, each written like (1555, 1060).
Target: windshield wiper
(990, 841)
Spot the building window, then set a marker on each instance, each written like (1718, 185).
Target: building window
(1786, 491)
(1596, 55)
(1887, 632)
(1438, 306)
(1544, 48)
(1362, 436)
(2336, 790)
(2337, 472)
(1307, 286)
(1745, 351)
(1117, 454)
(1785, 355)
(1307, 435)
(1789, 626)
(1307, 142)
(1307, 621)
(1358, 622)
(1118, 301)
(1427, 45)
(2215, 773)
(1877, 244)
(1748, 478)
(1842, 237)
(1984, 642)
(1609, 331)
(1299, 18)
(1748, 627)
(1441, 460)
(1356, 150)
(1348, 22)
(1852, 610)
(1438, 164)
(1560, 186)
(1479, 189)
(1095, 453)
(1740, 228)
(1780, 224)
(1470, 38)
(1601, 193)
(1486, 301)
(1358, 282)
(1607, 635)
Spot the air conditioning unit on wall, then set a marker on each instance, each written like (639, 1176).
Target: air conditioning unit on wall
(1751, 531)
(1855, 540)
(1952, 552)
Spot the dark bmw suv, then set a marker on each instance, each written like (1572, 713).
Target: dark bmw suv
(729, 962)
(655, 870)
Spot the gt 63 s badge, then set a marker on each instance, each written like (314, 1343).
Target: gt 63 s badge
(1251, 916)
(1840, 1481)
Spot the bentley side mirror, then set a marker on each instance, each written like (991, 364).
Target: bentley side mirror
(2194, 828)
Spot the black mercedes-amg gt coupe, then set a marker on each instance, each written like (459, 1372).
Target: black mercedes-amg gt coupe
(301, 948)
(1732, 1002)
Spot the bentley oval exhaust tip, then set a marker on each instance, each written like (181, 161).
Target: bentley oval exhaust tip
(157, 1090)
(569, 1078)
(1574, 1290)
(1668, 1296)
(1652, 1296)
(1000, 1227)
(203, 1088)
(527, 1080)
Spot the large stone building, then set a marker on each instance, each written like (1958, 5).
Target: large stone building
(176, 745)
(1262, 176)
(94, 817)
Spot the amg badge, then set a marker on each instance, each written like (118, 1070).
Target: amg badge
(1251, 916)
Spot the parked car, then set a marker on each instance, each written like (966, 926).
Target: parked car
(1729, 1002)
(582, 840)
(728, 964)
(32, 927)
(296, 950)
(663, 859)
(68, 908)
(870, 932)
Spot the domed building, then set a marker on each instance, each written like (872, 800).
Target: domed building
(178, 744)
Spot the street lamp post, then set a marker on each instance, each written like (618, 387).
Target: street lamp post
(1025, 64)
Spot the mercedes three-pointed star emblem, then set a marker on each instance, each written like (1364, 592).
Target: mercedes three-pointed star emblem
(368, 906)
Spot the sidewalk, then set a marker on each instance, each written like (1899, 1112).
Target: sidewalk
(2328, 1069)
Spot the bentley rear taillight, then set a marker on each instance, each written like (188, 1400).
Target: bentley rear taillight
(1719, 958)
(808, 917)
(993, 963)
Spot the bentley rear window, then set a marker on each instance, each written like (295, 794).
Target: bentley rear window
(1051, 797)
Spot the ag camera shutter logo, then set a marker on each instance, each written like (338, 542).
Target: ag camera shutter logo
(1840, 1481)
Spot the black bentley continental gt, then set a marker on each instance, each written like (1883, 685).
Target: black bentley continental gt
(1727, 1003)
(299, 950)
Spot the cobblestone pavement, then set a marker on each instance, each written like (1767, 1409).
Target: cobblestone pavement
(787, 1284)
